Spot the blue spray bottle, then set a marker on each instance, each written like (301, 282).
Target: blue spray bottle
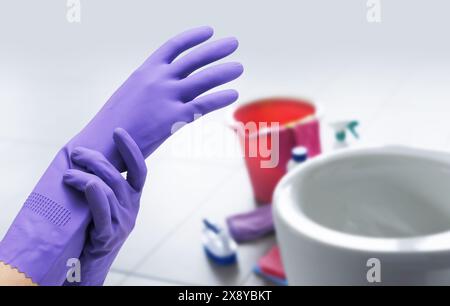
(340, 132)
(218, 245)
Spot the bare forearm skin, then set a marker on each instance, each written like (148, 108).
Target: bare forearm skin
(12, 277)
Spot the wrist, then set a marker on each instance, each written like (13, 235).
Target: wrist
(49, 229)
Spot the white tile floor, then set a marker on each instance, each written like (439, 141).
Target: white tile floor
(395, 103)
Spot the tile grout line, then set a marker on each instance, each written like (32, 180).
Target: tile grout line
(26, 141)
(250, 273)
(401, 84)
(180, 224)
(328, 83)
(150, 278)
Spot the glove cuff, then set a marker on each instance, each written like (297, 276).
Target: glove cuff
(38, 244)
(49, 229)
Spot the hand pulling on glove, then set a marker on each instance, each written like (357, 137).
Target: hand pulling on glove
(112, 200)
(51, 227)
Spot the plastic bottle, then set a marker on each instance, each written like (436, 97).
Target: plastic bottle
(340, 132)
(298, 156)
(218, 245)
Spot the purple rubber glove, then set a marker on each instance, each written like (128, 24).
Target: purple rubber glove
(164, 91)
(51, 227)
(112, 200)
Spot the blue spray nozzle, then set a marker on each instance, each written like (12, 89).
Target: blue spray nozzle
(352, 128)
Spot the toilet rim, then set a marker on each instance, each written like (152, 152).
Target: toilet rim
(285, 212)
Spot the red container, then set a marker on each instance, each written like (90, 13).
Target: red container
(277, 125)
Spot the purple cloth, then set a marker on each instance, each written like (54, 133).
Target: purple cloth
(251, 225)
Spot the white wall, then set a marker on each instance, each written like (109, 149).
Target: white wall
(48, 65)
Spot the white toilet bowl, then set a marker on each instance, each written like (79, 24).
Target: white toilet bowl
(357, 217)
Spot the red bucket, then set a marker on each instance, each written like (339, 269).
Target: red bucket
(268, 129)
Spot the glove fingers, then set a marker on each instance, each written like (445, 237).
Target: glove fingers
(180, 43)
(204, 55)
(96, 192)
(97, 163)
(100, 209)
(133, 158)
(209, 78)
(208, 103)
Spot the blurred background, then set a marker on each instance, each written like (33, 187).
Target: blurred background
(392, 76)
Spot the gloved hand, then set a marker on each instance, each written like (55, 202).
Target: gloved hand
(50, 228)
(112, 200)
(164, 91)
